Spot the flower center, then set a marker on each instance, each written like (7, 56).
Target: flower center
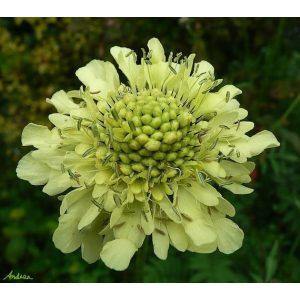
(151, 132)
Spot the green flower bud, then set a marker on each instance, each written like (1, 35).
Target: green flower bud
(165, 127)
(165, 117)
(138, 167)
(145, 152)
(124, 158)
(171, 156)
(170, 137)
(146, 119)
(156, 122)
(136, 121)
(135, 145)
(152, 145)
(157, 136)
(165, 147)
(125, 169)
(142, 139)
(135, 157)
(148, 129)
(149, 162)
(159, 155)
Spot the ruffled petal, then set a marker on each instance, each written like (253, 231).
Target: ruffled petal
(36, 172)
(101, 77)
(62, 102)
(229, 235)
(117, 254)
(39, 136)
(259, 142)
(66, 237)
(127, 63)
(57, 184)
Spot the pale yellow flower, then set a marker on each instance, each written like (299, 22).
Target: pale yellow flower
(144, 157)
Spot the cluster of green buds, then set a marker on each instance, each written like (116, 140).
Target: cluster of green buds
(150, 132)
(144, 159)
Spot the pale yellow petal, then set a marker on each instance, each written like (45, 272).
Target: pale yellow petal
(91, 247)
(62, 102)
(177, 236)
(38, 136)
(89, 216)
(101, 77)
(66, 237)
(36, 172)
(230, 236)
(117, 254)
(157, 50)
(160, 241)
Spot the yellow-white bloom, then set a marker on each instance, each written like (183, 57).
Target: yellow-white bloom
(145, 157)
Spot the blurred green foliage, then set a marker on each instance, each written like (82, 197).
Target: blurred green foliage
(39, 56)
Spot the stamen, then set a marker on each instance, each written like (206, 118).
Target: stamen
(129, 53)
(107, 158)
(213, 145)
(114, 114)
(117, 200)
(79, 122)
(224, 126)
(227, 96)
(119, 225)
(131, 125)
(88, 151)
(159, 231)
(185, 216)
(172, 69)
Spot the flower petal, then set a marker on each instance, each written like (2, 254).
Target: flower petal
(205, 193)
(38, 136)
(127, 63)
(91, 247)
(57, 184)
(117, 254)
(199, 232)
(90, 215)
(66, 237)
(229, 235)
(157, 50)
(62, 121)
(261, 141)
(36, 172)
(177, 236)
(160, 241)
(225, 207)
(100, 77)
(238, 189)
(62, 102)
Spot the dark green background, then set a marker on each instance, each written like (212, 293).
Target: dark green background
(260, 56)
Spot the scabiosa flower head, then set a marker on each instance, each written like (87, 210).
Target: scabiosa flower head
(144, 157)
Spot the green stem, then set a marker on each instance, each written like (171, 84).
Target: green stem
(287, 112)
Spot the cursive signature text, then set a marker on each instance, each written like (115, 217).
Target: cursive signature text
(11, 276)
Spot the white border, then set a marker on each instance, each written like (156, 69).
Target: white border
(150, 8)
(150, 291)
